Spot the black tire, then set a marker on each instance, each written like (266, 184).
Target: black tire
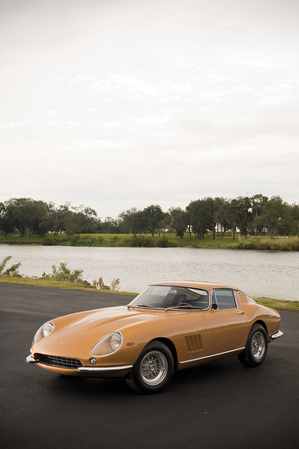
(256, 347)
(153, 369)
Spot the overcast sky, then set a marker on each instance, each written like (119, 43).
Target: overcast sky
(120, 103)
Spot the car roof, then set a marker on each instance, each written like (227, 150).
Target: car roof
(195, 284)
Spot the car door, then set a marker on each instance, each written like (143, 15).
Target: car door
(226, 323)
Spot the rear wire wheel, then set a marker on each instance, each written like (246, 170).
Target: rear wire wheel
(153, 369)
(256, 347)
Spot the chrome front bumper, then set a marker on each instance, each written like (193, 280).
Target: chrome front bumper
(30, 359)
(89, 370)
(276, 335)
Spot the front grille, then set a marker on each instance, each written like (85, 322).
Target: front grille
(62, 362)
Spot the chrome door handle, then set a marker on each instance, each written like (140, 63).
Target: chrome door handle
(240, 313)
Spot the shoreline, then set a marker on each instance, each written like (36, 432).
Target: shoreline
(279, 304)
(277, 243)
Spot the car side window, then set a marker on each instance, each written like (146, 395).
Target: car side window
(223, 299)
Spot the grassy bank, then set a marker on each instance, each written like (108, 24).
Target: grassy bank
(147, 241)
(292, 306)
(53, 283)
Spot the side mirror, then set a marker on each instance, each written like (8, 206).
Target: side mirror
(214, 306)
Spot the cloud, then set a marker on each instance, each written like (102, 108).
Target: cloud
(52, 113)
(135, 103)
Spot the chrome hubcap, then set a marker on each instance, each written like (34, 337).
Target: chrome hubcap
(153, 368)
(258, 345)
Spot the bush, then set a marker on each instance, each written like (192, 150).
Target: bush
(2, 266)
(100, 284)
(267, 244)
(56, 239)
(63, 273)
(164, 242)
(114, 241)
(115, 284)
(71, 240)
(141, 241)
(48, 241)
(12, 268)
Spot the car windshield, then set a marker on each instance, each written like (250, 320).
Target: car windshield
(172, 297)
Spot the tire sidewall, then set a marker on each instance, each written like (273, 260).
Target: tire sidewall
(135, 372)
(249, 356)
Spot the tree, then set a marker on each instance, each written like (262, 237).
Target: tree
(223, 217)
(212, 205)
(74, 220)
(132, 221)
(271, 215)
(26, 215)
(290, 219)
(153, 217)
(243, 214)
(197, 218)
(60, 217)
(111, 226)
(83, 220)
(166, 222)
(178, 220)
(6, 219)
(257, 202)
(232, 212)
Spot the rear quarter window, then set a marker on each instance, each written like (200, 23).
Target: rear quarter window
(224, 299)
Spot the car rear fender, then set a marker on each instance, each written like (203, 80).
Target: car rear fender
(262, 323)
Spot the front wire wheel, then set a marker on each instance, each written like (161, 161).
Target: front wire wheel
(153, 369)
(256, 347)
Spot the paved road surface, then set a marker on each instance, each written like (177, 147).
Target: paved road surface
(219, 405)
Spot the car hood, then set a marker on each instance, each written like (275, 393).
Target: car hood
(112, 318)
(76, 333)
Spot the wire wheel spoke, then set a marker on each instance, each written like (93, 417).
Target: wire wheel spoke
(258, 345)
(153, 368)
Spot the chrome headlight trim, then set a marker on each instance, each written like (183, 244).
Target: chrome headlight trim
(111, 343)
(44, 331)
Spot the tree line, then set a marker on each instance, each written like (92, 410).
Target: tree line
(256, 215)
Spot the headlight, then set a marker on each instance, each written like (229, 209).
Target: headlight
(108, 345)
(43, 332)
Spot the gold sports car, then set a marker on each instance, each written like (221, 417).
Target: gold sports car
(169, 326)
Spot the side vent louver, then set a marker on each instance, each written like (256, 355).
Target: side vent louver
(194, 343)
(243, 298)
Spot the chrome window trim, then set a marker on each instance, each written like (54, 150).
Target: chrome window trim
(227, 289)
(173, 308)
(210, 356)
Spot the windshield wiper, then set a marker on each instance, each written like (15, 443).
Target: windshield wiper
(183, 306)
(142, 305)
(146, 305)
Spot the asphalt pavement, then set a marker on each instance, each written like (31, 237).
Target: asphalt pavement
(218, 405)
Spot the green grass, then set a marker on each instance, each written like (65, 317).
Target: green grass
(17, 240)
(52, 283)
(170, 240)
(291, 306)
(185, 242)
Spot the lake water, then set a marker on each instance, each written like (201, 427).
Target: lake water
(258, 273)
